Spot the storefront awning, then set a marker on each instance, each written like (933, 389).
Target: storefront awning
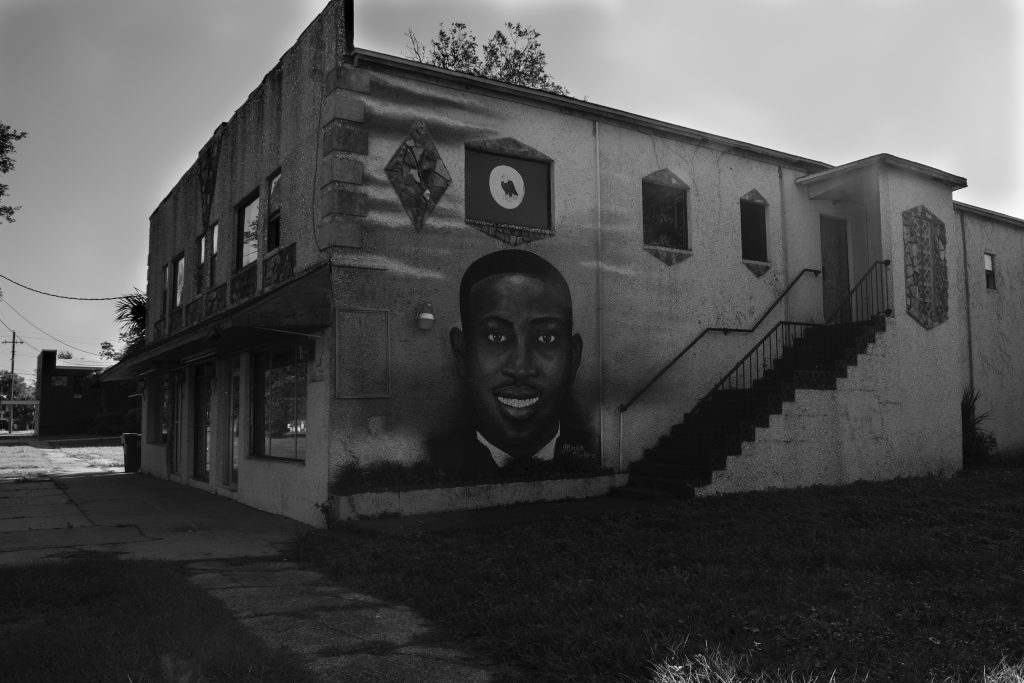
(287, 313)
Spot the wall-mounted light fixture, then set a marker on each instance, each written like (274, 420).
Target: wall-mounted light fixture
(425, 317)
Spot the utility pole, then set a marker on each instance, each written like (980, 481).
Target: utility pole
(14, 344)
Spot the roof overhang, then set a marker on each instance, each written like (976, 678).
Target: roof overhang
(289, 311)
(851, 182)
(379, 61)
(991, 215)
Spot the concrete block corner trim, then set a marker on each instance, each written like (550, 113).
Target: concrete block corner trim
(340, 232)
(347, 78)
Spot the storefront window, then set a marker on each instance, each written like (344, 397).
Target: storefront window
(279, 404)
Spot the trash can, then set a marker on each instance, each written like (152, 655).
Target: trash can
(132, 445)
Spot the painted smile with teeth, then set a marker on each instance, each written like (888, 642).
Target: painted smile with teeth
(518, 402)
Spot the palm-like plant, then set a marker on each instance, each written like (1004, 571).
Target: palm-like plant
(979, 445)
(130, 313)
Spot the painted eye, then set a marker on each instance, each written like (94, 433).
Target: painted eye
(546, 338)
(496, 337)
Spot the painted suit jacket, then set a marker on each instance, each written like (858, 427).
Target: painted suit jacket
(462, 457)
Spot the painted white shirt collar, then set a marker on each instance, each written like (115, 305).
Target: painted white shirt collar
(502, 458)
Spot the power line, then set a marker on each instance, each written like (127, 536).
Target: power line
(59, 296)
(11, 330)
(91, 353)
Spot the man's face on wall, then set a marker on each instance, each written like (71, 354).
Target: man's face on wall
(518, 358)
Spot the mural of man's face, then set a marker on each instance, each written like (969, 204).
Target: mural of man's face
(518, 358)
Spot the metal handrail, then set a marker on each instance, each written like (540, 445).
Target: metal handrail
(623, 407)
(877, 275)
(757, 350)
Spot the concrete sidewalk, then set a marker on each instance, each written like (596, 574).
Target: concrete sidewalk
(134, 514)
(340, 635)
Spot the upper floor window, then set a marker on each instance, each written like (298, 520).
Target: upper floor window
(753, 227)
(202, 262)
(248, 222)
(178, 278)
(664, 208)
(215, 234)
(990, 271)
(274, 213)
(167, 290)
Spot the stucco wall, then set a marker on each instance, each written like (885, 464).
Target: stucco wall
(931, 364)
(650, 310)
(997, 326)
(860, 431)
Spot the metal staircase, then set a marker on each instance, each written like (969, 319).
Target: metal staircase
(790, 356)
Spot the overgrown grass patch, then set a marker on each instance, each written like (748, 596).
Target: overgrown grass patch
(99, 618)
(911, 580)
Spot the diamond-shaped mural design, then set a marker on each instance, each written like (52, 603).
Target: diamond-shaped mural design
(418, 175)
(924, 245)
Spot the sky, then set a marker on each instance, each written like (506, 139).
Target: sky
(118, 96)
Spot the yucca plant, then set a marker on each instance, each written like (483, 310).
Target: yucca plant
(979, 445)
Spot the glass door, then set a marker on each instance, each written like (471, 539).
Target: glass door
(201, 443)
(234, 426)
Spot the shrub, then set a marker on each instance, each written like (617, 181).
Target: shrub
(133, 421)
(979, 445)
(108, 423)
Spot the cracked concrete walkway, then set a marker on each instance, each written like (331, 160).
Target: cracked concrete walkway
(341, 635)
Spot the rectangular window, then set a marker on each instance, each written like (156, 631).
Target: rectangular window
(279, 404)
(201, 262)
(213, 254)
(274, 214)
(167, 289)
(753, 232)
(990, 271)
(248, 222)
(179, 281)
(77, 383)
(59, 381)
(664, 211)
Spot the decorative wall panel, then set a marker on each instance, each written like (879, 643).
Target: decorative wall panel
(418, 175)
(924, 244)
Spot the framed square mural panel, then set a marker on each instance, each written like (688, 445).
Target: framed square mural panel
(363, 353)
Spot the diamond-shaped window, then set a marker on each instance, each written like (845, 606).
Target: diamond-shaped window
(418, 175)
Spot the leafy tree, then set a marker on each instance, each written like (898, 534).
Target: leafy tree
(22, 392)
(8, 136)
(513, 56)
(130, 313)
(64, 355)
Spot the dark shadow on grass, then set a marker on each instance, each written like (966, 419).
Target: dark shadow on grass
(910, 580)
(95, 617)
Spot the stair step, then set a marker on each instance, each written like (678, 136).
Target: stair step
(640, 493)
(681, 487)
(701, 461)
(714, 425)
(670, 470)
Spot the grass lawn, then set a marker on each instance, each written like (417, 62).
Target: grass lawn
(911, 580)
(98, 456)
(98, 618)
(22, 461)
